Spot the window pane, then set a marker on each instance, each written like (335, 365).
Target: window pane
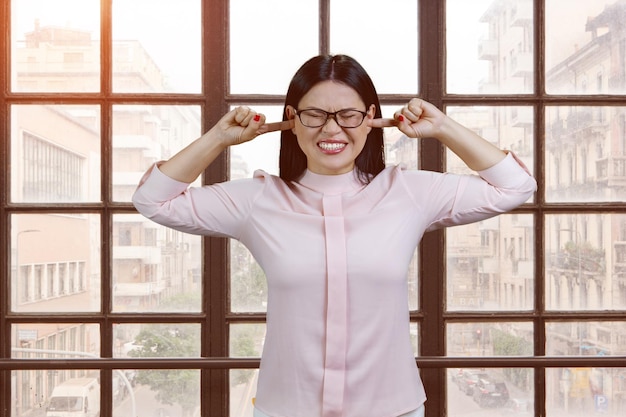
(156, 46)
(55, 262)
(248, 285)
(55, 46)
(492, 392)
(246, 341)
(242, 391)
(261, 60)
(55, 340)
(490, 264)
(143, 135)
(586, 338)
(159, 392)
(585, 391)
(42, 389)
(489, 46)
(507, 127)
(490, 339)
(352, 32)
(399, 148)
(55, 153)
(585, 51)
(154, 268)
(585, 154)
(260, 153)
(585, 261)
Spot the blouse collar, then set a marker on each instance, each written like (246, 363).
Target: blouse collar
(331, 184)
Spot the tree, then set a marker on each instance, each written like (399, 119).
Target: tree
(175, 386)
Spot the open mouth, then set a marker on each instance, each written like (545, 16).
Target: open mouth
(332, 146)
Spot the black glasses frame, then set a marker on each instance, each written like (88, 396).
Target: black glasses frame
(332, 115)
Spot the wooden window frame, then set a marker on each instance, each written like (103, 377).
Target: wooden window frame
(215, 319)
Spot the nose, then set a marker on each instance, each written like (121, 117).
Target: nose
(331, 126)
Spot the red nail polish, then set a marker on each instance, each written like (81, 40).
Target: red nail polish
(257, 118)
(401, 118)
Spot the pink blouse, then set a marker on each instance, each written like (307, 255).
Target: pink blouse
(335, 253)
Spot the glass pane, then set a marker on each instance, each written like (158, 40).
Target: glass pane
(154, 268)
(489, 339)
(156, 340)
(399, 148)
(159, 393)
(491, 392)
(246, 341)
(55, 262)
(586, 338)
(55, 46)
(585, 51)
(143, 135)
(157, 46)
(56, 392)
(490, 264)
(585, 261)
(585, 154)
(259, 153)
(573, 392)
(489, 46)
(156, 392)
(507, 127)
(248, 285)
(55, 153)
(242, 390)
(261, 60)
(351, 33)
(55, 340)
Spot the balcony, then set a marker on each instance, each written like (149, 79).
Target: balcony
(522, 64)
(147, 254)
(612, 171)
(488, 49)
(522, 14)
(522, 118)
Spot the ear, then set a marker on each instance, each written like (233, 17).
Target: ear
(290, 112)
(371, 114)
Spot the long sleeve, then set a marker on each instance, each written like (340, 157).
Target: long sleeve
(453, 200)
(208, 210)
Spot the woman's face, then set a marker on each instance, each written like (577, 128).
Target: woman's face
(331, 149)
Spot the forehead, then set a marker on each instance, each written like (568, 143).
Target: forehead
(331, 96)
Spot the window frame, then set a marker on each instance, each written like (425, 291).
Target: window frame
(215, 100)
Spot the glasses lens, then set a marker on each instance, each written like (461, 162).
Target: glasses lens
(350, 118)
(313, 118)
(344, 118)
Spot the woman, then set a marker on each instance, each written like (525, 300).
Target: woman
(335, 234)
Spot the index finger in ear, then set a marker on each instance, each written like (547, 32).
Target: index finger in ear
(273, 127)
(382, 122)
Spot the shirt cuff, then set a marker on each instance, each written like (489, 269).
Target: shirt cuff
(508, 173)
(159, 186)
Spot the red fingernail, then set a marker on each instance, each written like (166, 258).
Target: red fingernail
(257, 118)
(401, 118)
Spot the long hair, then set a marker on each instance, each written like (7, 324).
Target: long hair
(345, 70)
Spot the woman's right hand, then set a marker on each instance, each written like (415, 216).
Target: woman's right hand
(238, 126)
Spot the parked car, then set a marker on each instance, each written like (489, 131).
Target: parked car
(517, 407)
(488, 392)
(468, 379)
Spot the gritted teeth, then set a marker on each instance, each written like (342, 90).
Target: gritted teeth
(331, 146)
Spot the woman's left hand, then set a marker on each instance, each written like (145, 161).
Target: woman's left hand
(419, 119)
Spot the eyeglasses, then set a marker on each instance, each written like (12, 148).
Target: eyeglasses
(346, 118)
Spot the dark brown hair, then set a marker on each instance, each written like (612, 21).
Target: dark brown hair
(345, 70)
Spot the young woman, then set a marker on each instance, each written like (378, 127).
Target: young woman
(335, 233)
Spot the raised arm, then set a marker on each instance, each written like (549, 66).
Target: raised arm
(237, 126)
(421, 119)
